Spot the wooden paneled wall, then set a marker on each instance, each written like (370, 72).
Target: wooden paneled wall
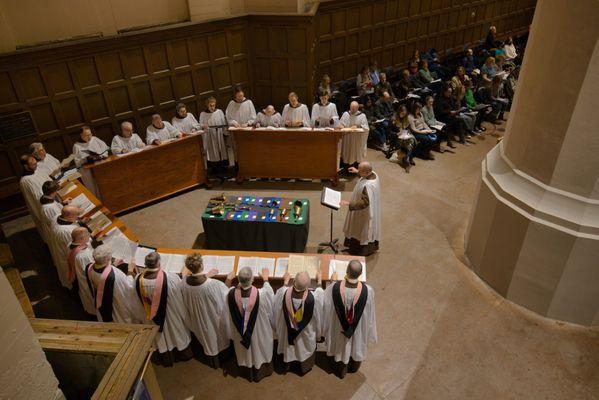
(351, 33)
(102, 82)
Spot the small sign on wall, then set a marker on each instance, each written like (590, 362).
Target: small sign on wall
(16, 126)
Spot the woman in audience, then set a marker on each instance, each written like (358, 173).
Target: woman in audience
(364, 84)
(509, 49)
(428, 112)
(425, 136)
(497, 94)
(415, 59)
(472, 105)
(377, 131)
(457, 84)
(447, 111)
(488, 71)
(424, 75)
(402, 140)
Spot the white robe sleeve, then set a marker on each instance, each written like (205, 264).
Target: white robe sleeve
(80, 155)
(116, 146)
(285, 115)
(305, 116)
(172, 131)
(345, 120)
(252, 115)
(150, 136)
(276, 120)
(363, 122)
(231, 118)
(315, 115)
(267, 295)
(373, 337)
(318, 312)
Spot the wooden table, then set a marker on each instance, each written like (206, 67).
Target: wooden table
(287, 153)
(125, 182)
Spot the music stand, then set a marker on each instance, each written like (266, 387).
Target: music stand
(331, 199)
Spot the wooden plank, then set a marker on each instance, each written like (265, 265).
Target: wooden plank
(14, 278)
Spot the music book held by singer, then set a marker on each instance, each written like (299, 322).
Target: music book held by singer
(330, 198)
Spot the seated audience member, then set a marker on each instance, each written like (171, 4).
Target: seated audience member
(240, 111)
(424, 75)
(490, 43)
(364, 84)
(435, 66)
(374, 73)
(500, 63)
(415, 78)
(377, 129)
(428, 112)
(324, 114)
(402, 140)
(509, 49)
(468, 61)
(425, 136)
(206, 316)
(184, 121)
(46, 163)
(509, 85)
(89, 148)
(448, 112)
(353, 144)
(327, 86)
(498, 96)
(295, 114)
(251, 311)
(384, 86)
(159, 293)
(414, 60)
(297, 319)
(214, 125)
(268, 117)
(457, 84)
(126, 141)
(383, 108)
(404, 85)
(488, 71)
(472, 105)
(160, 131)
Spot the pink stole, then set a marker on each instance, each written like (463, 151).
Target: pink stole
(349, 313)
(157, 293)
(289, 306)
(71, 261)
(100, 289)
(250, 306)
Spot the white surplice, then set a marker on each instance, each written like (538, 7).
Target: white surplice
(305, 343)
(48, 214)
(31, 188)
(213, 138)
(260, 351)
(242, 113)
(206, 314)
(336, 343)
(82, 260)
(353, 144)
(126, 308)
(48, 165)
(174, 332)
(365, 224)
(269, 120)
(165, 133)
(187, 124)
(292, 115)
(95, 144)
(324, 114)
(59, 247)
(120, 143)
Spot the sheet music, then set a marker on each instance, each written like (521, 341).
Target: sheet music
(83, 203)
(256, 264)
(438, 126)
(224, 264)
(331, 198)
(122, 248)
(341, 267)
(69, 175)
(140, 255)
(281, 267)
(98, 221)
(172, 262)
(299, 263)
(66, 190)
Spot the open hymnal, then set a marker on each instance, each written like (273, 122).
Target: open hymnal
(98, 222)
(172, 262)
(330, 198)
(122, 248)
(341, 267)
(84, 204)
(62, 192)
(224, 264)
(281, 267)
(404, 134)
(438, 126)
(256, 264)
(299, 263)
(68, 175)
(140, 254)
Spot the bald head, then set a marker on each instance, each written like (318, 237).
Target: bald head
(354, 269)
(353, 107)
(80, 235)
(364, 169)
(301, 281)
(70, 213)
(245, 277)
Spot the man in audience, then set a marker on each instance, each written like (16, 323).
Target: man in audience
(384, 86)
(404, 85)
(468, 61)
(295, 114)
(250, 310)
(159, 292)
(353, 144)
(31, 187)
(363, 221)
(349, 321)
(415, 78)
(270, 117)
(373, 71)
(50, 208)
(60, 238)
(240, 111)
(126, 141)
(160, 131)
(89, 148)
(297, 319)
(206, 315)
(324, 114)
(46, 163)
(184, 121)
(79, 256)
(377, 128)
(447, 111)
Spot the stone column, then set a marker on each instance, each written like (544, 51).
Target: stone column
(534, 230)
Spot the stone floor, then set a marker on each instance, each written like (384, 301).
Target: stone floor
(443, 333)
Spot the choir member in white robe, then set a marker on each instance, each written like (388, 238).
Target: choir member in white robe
(159, 293)
(160, 131)
(50, 208)
(31, 187)
(297, 318)
(66, 222)
(113, 291)
(240, 111)
(363, 221)
(206, 312)
(349, 321)
(184, 121)
(79, 256)
(324, 113)
(214, 126)
(295, 114)
(353, 144)
(127, 141)
(46, 162)
(268, 117)
(250, 310)
(89, 148)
